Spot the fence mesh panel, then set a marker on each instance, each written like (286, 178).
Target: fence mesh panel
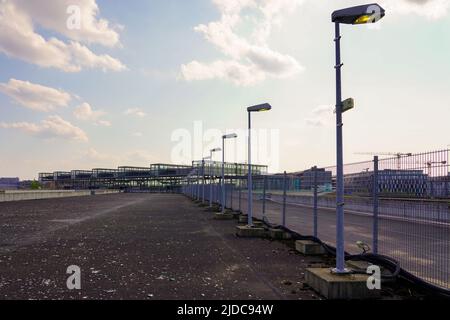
(399, 206)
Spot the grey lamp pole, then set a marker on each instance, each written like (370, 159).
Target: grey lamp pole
(340, 262)
(210, 174)
(203, 178)
(355, 15)
(257, 108)
(228, 136)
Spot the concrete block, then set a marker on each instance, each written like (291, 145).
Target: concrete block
(258, 224)
(237, 214)
(223, 216)
(243, 218)
(309, 248)
(250, 232)
(364, 265)
(213, 209)
(357, 265)
(332, 286)
(278, 234)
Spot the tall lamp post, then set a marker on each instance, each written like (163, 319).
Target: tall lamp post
(227, 136)
(210, 174)
(203, 177)
(364, 14)
(257, 108)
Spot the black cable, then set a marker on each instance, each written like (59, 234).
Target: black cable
(390, 264)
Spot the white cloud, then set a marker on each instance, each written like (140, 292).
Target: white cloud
(35, 96)
(321, 116)
(138, 112)
(52, 127)
(86, 113)
(18, 39)
(137, 134)
(249, 62)
(53, 15)
(431, 9)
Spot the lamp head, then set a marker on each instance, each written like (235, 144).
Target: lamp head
(230, 136)
(260, 108)
(369, 13)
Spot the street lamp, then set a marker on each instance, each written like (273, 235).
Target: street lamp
(364, 14)
(210, 175)
(203, 177)
(430, 166)
(257, 108)
(227, 136)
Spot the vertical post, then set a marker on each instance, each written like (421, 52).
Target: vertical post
(249, 179)
(240, 195)
(375, 205)
(197, 195)
(187, 189)
(264, 198)
(218, 194)
(284, 199)
(315, 200)
(231, 198)
(210, 185)
(223, 174)
(203, 180)
(340, 259)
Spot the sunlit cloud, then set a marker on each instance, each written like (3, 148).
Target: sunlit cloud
(50, 128)
(35, 96)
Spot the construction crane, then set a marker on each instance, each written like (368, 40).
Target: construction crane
(399, 156)
(431, 163)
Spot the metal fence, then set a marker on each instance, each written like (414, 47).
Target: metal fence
(399, 206)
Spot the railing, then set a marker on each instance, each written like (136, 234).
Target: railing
(400, 207)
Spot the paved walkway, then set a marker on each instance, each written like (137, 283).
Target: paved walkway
(139, 246)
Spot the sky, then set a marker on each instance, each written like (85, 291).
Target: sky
(97, 84)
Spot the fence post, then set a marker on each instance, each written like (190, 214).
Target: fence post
(315, 200)
(218, 194)
(222, 185)
(240, 193)
(226, 194)
(210, 191)
(375, 205)
(264, 198)
(284, 199)
(197, 191)
(203, 181)
(231, 199)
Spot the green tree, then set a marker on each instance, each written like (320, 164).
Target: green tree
(35, 185)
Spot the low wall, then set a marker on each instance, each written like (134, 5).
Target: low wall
(14, 195)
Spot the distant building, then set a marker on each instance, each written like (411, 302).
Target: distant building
(306, 179)
(9, 183)
(25, 184)
(412, 183)
(439, 187)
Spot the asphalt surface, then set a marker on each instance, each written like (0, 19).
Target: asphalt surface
(420, 248)
(139, 246)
